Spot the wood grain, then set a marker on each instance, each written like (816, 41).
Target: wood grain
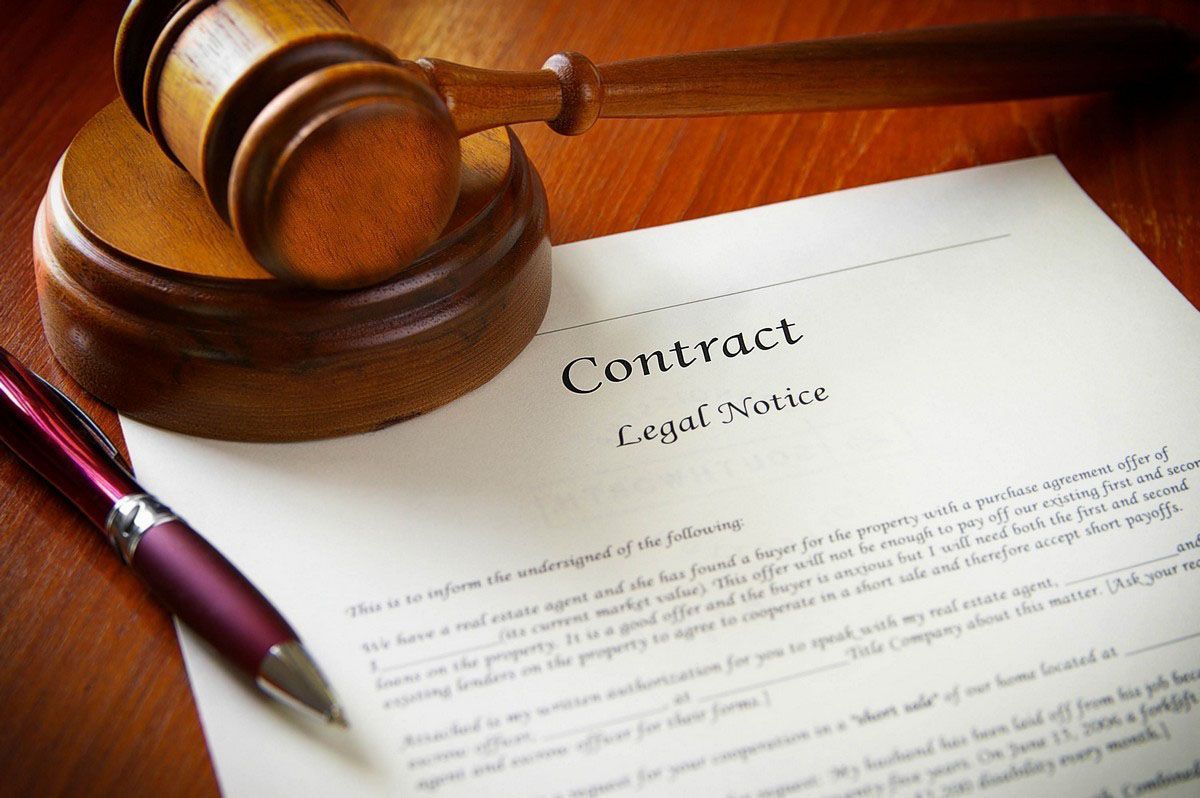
(91, 683)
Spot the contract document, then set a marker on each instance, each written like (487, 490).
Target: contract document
(890, 491)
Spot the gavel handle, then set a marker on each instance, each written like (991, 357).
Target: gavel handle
(961, 64)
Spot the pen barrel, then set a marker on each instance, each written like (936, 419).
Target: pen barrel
(38, 428)
(207, 593)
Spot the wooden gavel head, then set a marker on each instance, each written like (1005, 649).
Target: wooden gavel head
(335, 163)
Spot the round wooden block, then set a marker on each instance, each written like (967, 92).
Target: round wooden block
(152, 305)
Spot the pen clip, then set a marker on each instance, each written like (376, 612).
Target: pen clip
(89, 426)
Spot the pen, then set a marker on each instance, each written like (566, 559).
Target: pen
(59, 441)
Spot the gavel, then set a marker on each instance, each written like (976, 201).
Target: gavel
(337, 163)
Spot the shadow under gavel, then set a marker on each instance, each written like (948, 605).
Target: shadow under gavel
(337, 163)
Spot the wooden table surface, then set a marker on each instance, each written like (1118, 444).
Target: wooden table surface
(93, 696)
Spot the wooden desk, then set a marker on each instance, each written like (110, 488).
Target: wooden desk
(92, 691)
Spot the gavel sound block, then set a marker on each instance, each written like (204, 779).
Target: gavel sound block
(152, 305)
(181, 266)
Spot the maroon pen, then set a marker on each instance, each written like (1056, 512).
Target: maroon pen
(58, 440)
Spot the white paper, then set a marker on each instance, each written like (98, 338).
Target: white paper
(922, 584)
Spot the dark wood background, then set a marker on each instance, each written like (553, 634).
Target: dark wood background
(93, 696)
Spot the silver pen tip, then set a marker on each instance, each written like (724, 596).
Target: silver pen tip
(288, 674)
